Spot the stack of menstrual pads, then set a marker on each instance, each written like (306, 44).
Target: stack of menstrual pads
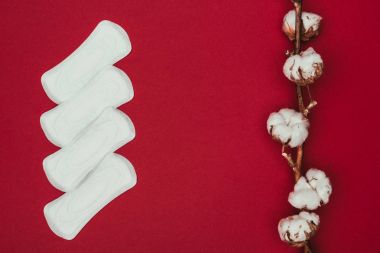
(88, 128)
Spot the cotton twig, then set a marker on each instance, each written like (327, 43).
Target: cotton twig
(290, 127)
(288, 157)
(310, 106)
(297, 48)
(307, 248)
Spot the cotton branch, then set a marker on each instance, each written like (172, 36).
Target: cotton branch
(290, 128)
(297, 49)
(301, 107)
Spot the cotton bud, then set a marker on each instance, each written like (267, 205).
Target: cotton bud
(304, 68)
(298, 229)
(288, 127)
(310, 25)
(311, 191)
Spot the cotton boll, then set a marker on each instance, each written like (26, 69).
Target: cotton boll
(321, 183)
(287, 114)
(274, 119)
(302, 184)
(294, 228)
(304, 68)
(297, 229)
(282, 132)
(310, 217)
(288, 126)
(298, 118)
(311, 191)
(310, 25)
(299, 135)
(304, 199)
(304, 196)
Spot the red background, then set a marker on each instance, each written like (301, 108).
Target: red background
(206, 76)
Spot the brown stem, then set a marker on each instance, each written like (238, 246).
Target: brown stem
(298, 9)
(312, 102)
(307, 248)
(311, 105)
(288, 157)
(297, 47)
(297, 168)
(301, 107)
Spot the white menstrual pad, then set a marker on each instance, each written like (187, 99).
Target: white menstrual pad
(67, 167)
(106, 45)
(111, 87)
(68, 214)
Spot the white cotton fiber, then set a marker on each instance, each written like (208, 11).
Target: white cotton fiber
(297, 229)
(304, 68)
(311, 192)
(310, 23)
(303, 196)
(321, 183)
(288, 126)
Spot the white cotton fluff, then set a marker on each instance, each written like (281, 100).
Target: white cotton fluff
(304, 68)
(311, 192)
(310, 217)
(321, 183)
(310, 22)
(304, 196)
(288, 126)
(299, 228)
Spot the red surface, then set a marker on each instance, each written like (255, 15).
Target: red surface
(206, 75)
